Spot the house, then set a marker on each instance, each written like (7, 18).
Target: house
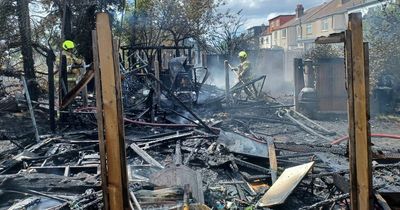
(299, 33)
(256, 30)
(254, 34)
(275, 26)
(265, 39)
(322, 20)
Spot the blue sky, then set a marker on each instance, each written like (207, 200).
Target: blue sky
(257, 12)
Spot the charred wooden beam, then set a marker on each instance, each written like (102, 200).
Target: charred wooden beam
(176, 99)
(69, 97)
(250, 165)
(45, 182)
(145, 156)
(162, 140)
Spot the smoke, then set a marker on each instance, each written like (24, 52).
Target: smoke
(217, 76)
(270, 62)
(264, 62)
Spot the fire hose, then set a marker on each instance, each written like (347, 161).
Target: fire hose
(141, 122)
(158, 124)
(309, 130)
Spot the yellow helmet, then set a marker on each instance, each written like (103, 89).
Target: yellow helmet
(68, 44)
(242, 54)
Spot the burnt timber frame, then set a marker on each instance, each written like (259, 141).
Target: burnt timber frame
(158, 50)
(357, 69)
(70, 96)
(109, 117)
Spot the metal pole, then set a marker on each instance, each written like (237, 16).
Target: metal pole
(28, 99)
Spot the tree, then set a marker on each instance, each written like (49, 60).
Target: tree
(162, 21)
(186, 19)
(323, 51)
(39, 28)
(381, 30)
(143, 28)
(227, 39)
(26, 47)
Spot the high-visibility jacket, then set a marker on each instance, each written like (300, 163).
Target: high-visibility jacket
(244, 71)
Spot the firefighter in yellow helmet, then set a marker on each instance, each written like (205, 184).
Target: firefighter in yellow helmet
(68, 45)
(244, 68)
(74, 64)
(244, 73)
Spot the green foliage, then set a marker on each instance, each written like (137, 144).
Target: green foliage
(144, 5)
(152, 22)
(382, 31)
(7, 20)
(323, 51)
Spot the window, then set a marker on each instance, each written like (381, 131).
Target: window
(275, 35)
(309, 28)
(298, 31)
(324, 24)
(262, 40)
(284, 33)
(267, 40)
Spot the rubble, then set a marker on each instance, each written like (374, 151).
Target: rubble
(182, 145)
(232, 167)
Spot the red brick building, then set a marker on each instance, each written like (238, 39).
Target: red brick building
(276, 22)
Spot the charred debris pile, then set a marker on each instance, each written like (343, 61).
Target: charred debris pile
(245, 153)
(186, 144)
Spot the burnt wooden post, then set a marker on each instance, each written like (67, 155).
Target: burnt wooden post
(66, 29)
(159, 59)
(298, 81)
(359, 144)
(85, 89)
(63, 83)
(51, 57)
(110, 121)
(157, 85)
(227, 85)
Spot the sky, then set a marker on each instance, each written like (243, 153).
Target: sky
(257, 12)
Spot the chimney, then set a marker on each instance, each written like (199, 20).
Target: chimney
(299, 10)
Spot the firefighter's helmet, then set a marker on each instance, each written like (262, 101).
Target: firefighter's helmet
(242, 55)
(68, 45)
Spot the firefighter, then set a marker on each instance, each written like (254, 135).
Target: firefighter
(68, 46)
(74, 64)
(244, 68)
(244, 74)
